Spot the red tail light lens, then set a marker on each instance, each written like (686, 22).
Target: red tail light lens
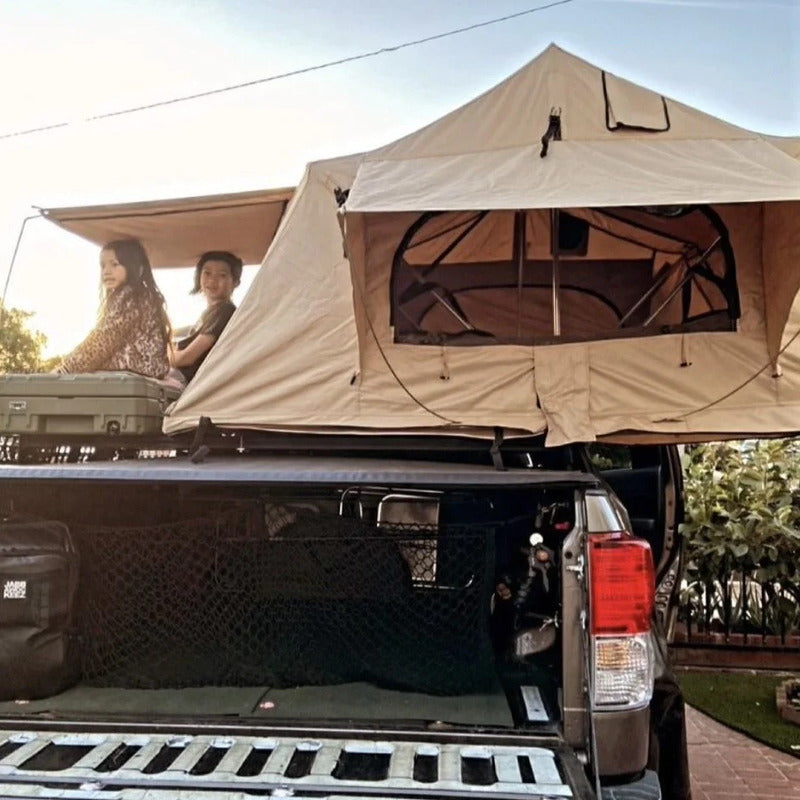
(622, 584)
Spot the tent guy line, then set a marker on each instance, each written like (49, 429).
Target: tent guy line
(290, 73)
(742, 385)
(389, 366)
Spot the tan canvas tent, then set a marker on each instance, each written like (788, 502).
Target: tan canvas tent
(568, 253)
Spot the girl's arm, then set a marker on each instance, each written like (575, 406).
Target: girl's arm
(201, 344)
(113, 330)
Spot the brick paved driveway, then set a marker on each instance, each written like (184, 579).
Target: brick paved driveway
(725, 765)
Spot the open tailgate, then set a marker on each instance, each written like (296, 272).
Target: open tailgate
(131, 764)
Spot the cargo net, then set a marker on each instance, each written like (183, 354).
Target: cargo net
(287, 596)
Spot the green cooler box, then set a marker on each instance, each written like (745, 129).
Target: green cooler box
(102, 403)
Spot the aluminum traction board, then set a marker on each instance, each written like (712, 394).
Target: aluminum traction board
(120, 765)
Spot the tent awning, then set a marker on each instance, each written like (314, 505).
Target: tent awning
(176, 232)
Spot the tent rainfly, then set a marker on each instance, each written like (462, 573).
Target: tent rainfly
(569, 253)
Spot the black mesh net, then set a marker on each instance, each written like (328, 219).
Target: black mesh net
(283, 595)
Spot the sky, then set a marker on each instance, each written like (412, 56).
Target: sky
(68, 62)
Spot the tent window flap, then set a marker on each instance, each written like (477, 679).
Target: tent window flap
(633, 108)
(548, 276)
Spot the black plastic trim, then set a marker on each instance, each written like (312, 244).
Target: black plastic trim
(646, 788)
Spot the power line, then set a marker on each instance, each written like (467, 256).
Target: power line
(292, 73)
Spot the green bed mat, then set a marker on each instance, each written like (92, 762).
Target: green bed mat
(350, 701)
(364, 701)
(88, 700)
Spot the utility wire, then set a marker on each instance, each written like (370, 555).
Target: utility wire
(292, 73)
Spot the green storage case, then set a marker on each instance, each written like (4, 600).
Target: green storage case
(99, 403)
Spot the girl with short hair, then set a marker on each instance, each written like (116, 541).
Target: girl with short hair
(216, 275)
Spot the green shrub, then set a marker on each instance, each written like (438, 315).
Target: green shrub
(743, 519)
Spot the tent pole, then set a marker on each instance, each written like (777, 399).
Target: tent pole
(665, 273)
(555, 215)
(686, 277)
(519, 257)
(14, 255)
(3, 310)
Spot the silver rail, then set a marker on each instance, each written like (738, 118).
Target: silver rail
(342, 767)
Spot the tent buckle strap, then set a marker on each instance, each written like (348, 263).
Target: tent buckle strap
(198, 450)
(553, 132)
(497, 456)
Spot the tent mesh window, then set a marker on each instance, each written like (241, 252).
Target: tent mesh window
(284, 595)
(547, 276)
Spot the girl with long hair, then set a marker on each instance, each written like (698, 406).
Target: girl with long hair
(132, 333)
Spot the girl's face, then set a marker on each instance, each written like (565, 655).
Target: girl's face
(112, 273)
(216, 281)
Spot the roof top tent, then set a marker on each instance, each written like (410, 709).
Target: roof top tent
(569, 253)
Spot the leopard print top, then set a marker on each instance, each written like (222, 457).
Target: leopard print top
(129, 336)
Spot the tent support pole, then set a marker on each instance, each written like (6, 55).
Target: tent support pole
(660, 280)
(14, 255)
(686, 277)
(555, 216)
(519, 257)
(3, 309)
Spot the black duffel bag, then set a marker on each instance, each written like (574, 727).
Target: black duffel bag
(38, 586)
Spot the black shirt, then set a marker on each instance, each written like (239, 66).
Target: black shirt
(212, 322)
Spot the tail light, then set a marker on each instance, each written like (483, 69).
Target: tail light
(622, 589)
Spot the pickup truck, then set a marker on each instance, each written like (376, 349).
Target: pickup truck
(357, 617)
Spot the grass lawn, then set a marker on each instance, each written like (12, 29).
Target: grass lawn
(743, 701)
